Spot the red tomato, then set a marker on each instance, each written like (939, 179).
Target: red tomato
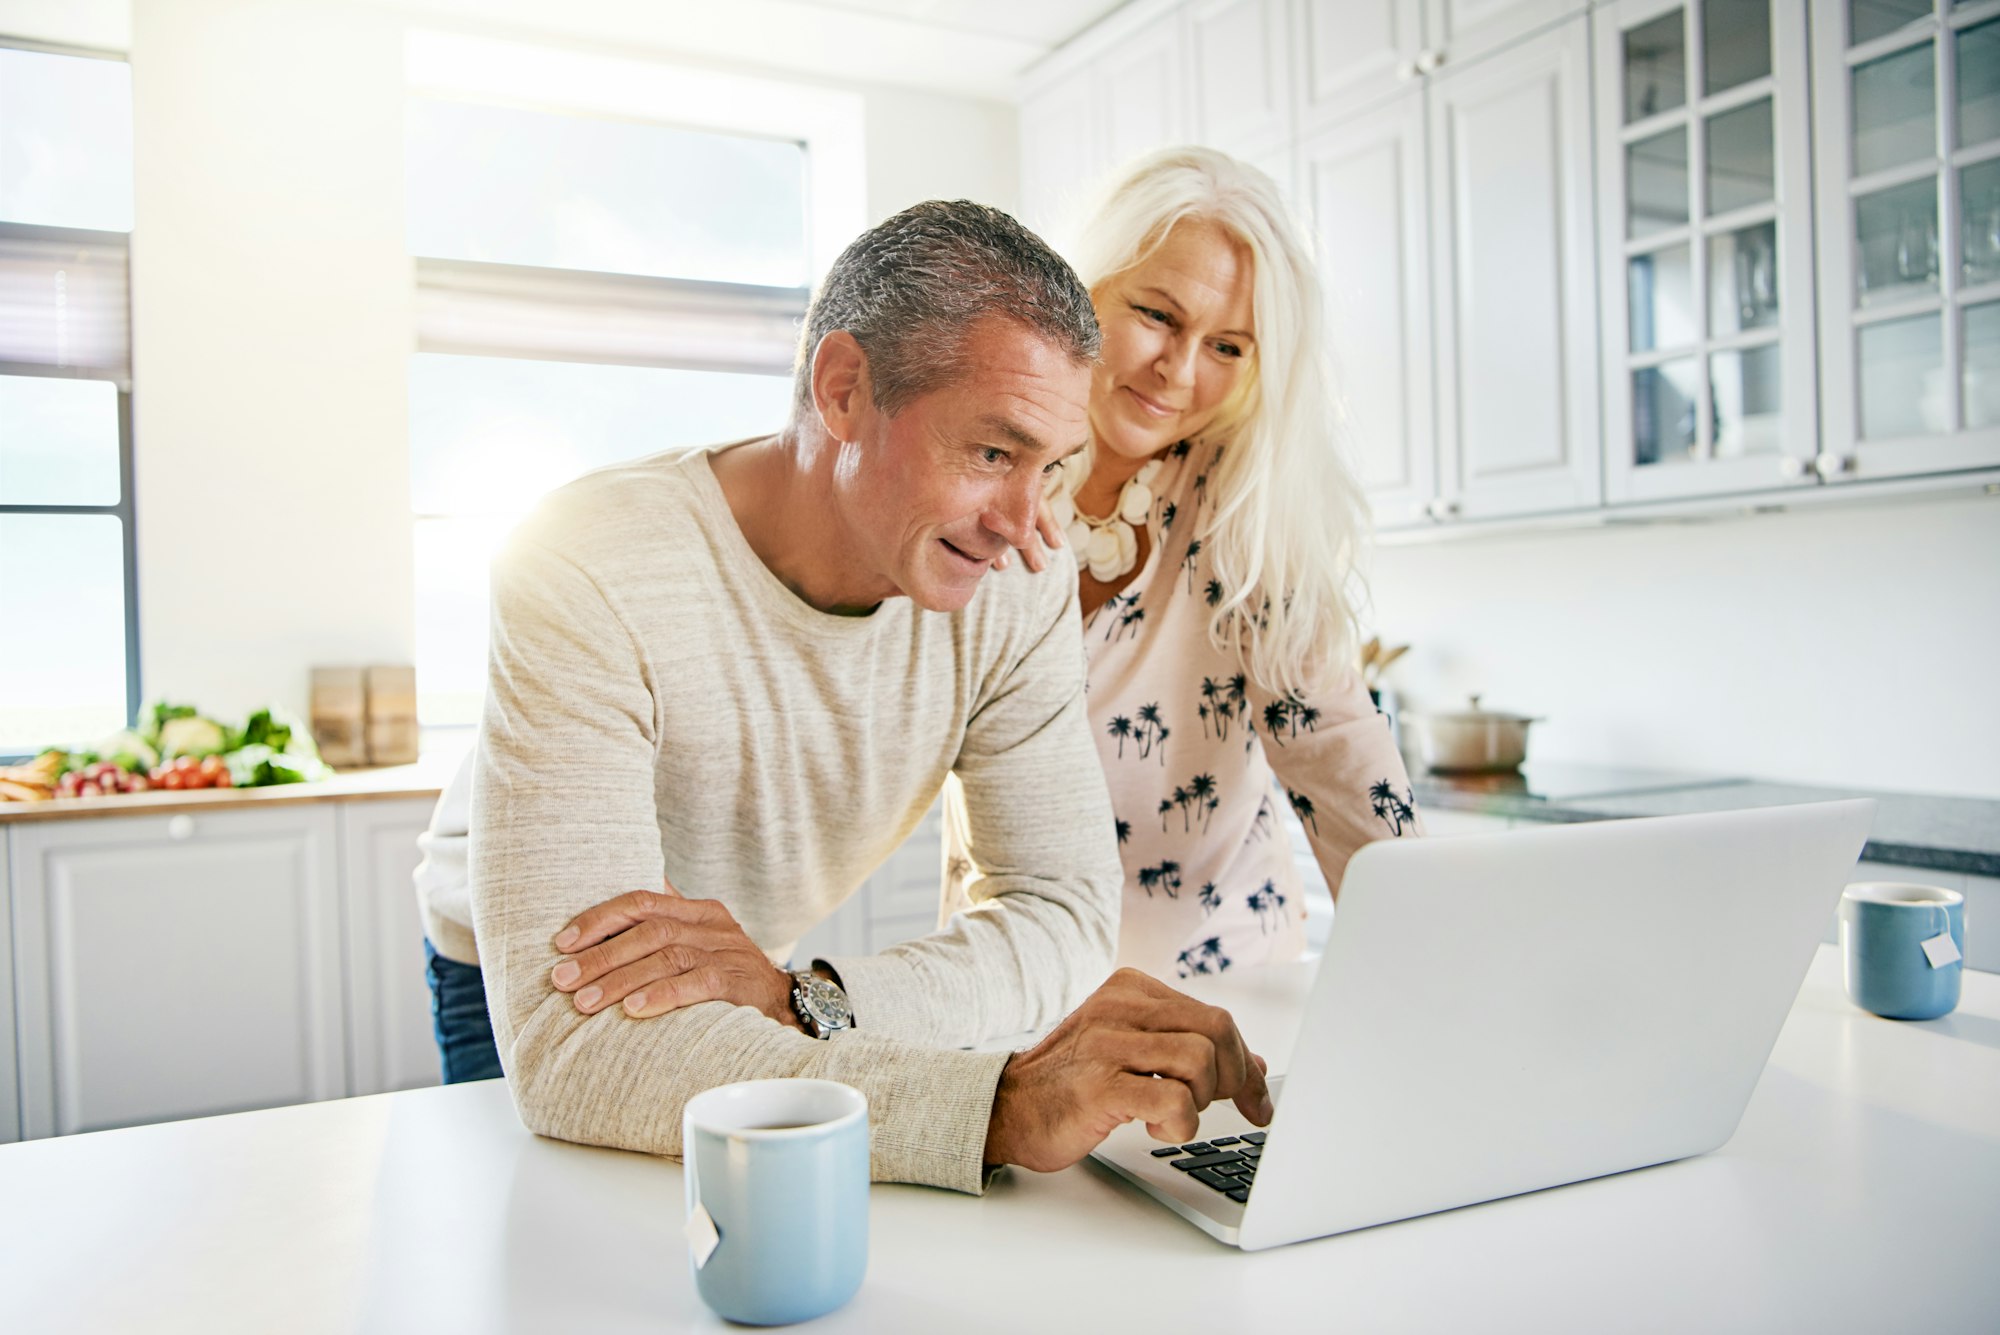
(174, 778)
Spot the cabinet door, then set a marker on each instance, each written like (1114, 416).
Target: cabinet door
(390, 1044)
(1705, 248)
(176, 966)
(1240, 66)
(10, 1101)
(1141, 87)
(1516, 331)
(1460, 31)
(1353, 54)
(1060, 156)
(1364, 187)
(1907, 135)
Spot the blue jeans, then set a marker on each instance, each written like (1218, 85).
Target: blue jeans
(458, 1018)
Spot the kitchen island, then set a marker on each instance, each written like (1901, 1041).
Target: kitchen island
(1857, 1195)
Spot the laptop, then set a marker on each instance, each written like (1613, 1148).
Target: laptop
(1496, 1014)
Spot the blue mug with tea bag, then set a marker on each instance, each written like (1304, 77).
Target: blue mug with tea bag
(1903, 947)
(777, 1197)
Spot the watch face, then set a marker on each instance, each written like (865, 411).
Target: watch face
(827, 1004)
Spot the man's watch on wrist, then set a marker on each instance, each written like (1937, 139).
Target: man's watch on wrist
(820, 1004)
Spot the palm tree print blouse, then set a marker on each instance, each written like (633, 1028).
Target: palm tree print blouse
(1198, 759)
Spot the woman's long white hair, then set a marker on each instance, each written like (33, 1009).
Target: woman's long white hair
(1287, 519)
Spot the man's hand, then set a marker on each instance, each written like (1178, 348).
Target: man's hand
(659, 952)
(1136, 1050)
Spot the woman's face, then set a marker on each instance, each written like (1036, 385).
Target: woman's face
(1178, 339)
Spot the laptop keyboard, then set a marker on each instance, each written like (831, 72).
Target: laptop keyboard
(1226, 1164)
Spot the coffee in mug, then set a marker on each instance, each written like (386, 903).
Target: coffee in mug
(1903, 948)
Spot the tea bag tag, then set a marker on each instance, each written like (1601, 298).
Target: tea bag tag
(701, 1234)
(1941, 950)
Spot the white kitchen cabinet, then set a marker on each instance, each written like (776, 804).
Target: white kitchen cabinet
(1239, 62)
(1077, 128)
(1510, 173)
(1706, 249)
(1454, 232)
(1354, 54)
(1460, 31)
(1142, 92)
(10, 1100)
(390, 1044)
(1363, 183)
(176, 965)
(1061, 157)
(1906, 122)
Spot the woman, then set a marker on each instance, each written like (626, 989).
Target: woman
(1216, 527)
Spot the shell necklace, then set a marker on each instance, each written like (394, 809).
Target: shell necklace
(1108, 548)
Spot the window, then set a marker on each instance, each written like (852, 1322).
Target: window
(67, 576)
(590, 288)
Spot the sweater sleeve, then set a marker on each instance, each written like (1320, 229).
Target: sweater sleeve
(1334, 754)
(563, 818)
(1040, 928)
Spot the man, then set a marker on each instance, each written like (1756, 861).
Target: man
(743, 674)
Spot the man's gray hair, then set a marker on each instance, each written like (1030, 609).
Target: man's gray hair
(910, 289)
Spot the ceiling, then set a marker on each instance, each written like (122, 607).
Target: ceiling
(969, 48)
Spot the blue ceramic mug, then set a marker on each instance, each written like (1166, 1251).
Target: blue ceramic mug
(1883, 928)
(777, 1197)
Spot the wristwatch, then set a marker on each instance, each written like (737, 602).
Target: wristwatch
(821, 1005)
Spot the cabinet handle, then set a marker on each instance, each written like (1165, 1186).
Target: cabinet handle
(1792, 468)
(180, 827)
(1428, 61)
(1407, 70)
(1442, 509)
(1830, 466)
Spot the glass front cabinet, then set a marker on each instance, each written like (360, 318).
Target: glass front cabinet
(1907, 139)
(1705, 248)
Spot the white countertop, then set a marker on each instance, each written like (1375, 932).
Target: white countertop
(1861, 1193)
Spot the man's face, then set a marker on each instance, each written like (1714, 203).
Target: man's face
(933, 494)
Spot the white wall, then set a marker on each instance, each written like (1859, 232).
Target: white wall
(1851, 645)
(271, 317)
(922, 146)
(272, 322)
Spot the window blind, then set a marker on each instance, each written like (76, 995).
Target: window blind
(504, 310)
(64, 299)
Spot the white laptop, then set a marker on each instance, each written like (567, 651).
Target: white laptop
(1496, 1014)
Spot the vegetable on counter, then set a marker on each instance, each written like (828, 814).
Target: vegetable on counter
(174, 747)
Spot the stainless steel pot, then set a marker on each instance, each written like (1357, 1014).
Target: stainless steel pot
(1472, 740)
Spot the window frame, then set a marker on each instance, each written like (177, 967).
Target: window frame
(126, 509)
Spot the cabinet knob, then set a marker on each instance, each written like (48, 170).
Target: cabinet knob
(1792, 468)
(1428, 61)
(180, 827)
(1830, 466)
(1407, 70)
(1441, 509)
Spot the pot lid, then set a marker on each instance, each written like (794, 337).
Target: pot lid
(1472, 713)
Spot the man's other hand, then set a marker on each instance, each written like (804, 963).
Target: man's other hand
(1136, 1050)
(660, 952)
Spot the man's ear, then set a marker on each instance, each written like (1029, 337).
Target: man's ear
(840, 386)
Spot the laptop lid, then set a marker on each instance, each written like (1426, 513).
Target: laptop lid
(1501, 1013)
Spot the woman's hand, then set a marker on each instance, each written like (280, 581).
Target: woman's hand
(1047, 533)
(660, 952)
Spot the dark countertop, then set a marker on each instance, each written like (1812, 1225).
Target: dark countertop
(1959, 834)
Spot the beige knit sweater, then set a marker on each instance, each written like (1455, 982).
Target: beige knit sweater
(661, 705)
